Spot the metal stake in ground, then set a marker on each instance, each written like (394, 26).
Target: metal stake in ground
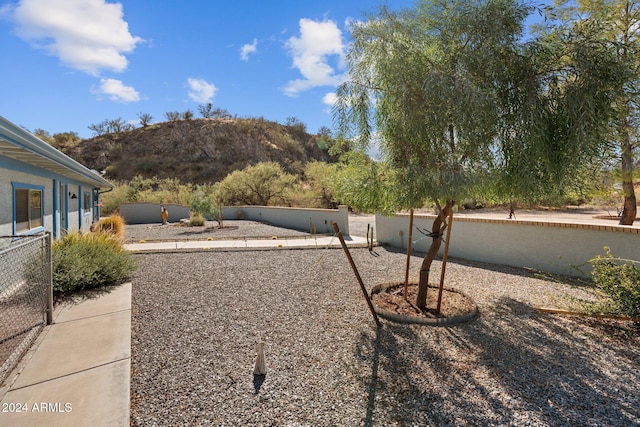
(355, 271)
(406, 272)
(444, 261)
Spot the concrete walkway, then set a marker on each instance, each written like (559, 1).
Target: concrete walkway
(77, 373)
(247, 244)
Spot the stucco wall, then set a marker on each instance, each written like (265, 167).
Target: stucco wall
(295, 218)
(7, 177)
(554, 247)
(12, 171)
(149, 213)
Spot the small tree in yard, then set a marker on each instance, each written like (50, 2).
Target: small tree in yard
(453, 95)
(203, 202)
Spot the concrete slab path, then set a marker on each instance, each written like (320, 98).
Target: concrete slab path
(78, 371)
(247, 244)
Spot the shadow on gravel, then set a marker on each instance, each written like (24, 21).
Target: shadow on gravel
(258, 380)
(512, 367)
(513, 271)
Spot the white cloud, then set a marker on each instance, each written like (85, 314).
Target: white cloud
(87, 35)
(201, 90)
(247, 49)
(318, 41)
(117, 91)
(330, 99)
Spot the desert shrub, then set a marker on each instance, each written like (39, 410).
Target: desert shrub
(90, 260)
(196, 220)
(112, 200)
(201, 201)
(153, 190)
(113, 225)
(319, 184)
(620, 281)
(263, 184)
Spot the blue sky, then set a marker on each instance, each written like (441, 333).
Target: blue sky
(67, 64)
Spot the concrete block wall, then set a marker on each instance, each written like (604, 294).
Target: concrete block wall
(554, 247)
(149, 213)
(295, 218)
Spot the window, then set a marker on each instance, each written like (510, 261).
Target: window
(86, 203)
(28, 208)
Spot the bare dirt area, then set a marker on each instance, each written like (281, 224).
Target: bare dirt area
(574, 214)
(453, 304)
(197, 318)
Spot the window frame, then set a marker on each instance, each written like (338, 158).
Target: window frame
(30, 220)
(86, 203)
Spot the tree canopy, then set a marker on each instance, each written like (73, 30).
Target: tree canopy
(463, 104)
(262, 184)
(612, 28)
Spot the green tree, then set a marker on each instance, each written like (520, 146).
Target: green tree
(454, 96)
(263, 184)
(202, 201)
(614, 27)
(319, 183)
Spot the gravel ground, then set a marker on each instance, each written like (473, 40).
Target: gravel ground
(231, 230)
(197, 318)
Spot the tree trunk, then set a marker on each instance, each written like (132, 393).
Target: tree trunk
(630, 207)
(437, 231)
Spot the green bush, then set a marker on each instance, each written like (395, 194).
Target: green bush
(263, 184)
(196, 220)
(85, 261)
(620, 281)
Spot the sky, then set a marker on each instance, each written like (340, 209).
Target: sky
(69, 64)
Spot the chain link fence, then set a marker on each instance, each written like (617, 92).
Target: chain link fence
(26, 298)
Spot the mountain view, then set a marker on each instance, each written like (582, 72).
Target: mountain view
(200, 150)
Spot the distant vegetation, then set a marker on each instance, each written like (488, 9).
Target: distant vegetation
(198, 150)
(236, 161)
(265, 183)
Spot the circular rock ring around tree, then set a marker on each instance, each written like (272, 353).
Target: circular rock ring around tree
(389, 303)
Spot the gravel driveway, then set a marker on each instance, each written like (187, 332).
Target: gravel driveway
(197, 318)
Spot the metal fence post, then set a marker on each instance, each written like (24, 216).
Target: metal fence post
(49, 279)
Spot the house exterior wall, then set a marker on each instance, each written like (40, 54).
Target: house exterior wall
(13, 172)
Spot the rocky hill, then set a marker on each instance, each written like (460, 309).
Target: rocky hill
(200, 150)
